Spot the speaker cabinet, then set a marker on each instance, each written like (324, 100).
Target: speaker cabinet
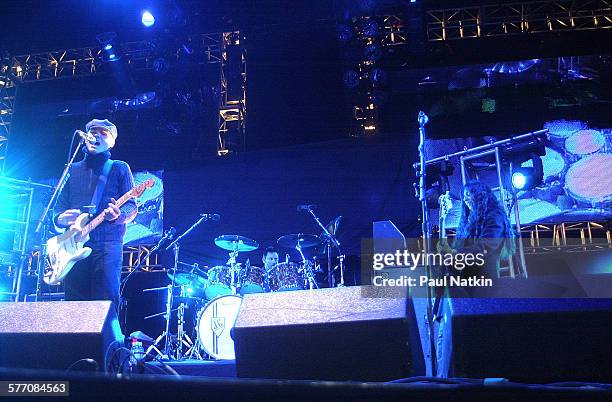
(529, 340)
(346, 333)
(54, 335)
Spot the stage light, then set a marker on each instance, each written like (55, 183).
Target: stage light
(519, 180)
(370, 28)
(526, 178)
(351, 79)
(106, 40)
(378, 76)
(147, 19)
(373, 52)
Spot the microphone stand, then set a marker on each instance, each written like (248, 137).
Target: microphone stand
(330, 241)
(426, 229)
(166, 236)
(42, 220)
(175, 245)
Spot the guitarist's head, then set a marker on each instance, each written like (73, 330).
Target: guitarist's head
(105, 134)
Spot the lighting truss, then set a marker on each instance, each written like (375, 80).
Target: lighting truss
(526, 17)
(7, 102)
(59, 64)
(232, 104)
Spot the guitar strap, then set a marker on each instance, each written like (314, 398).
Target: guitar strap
(102, 179)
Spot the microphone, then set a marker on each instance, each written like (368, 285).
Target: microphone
(422, 118)
(87, 137)
(305, 207)
(212, 217)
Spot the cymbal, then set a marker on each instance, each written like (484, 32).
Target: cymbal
(236, 243)
(195, 278)
(304, 240)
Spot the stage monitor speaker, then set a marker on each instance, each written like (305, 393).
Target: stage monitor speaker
(54, 335)
(530, 340)
(327, 334)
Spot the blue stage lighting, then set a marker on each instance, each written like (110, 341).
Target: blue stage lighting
(108, 47)
(147, 19)
(519, 180)
(112, 57)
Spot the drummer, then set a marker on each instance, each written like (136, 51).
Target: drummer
(269, 258)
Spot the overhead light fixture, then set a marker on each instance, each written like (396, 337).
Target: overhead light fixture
(148, 20)
(106, 41)
(525, 178)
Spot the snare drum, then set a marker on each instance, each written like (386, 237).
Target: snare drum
(285, 276)
(215, 321)
(220, 282)
(252, 280)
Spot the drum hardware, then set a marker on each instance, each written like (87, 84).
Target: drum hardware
(234, 244)
(180, 340)
(328, 238)
(168, 235)
(312, 283)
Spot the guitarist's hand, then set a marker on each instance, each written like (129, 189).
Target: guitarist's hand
(67, 218)
(112, 212)
(443, 247)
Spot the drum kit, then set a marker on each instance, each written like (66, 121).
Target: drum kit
(576, 178)
(215, 294)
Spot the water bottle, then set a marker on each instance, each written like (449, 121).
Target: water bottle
(138, 352)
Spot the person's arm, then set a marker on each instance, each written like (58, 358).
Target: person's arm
(128, 211)
(64, 216)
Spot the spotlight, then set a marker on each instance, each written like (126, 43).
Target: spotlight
(370, 28)
(519, 180)
(160, 65)
(373, 52)
(106, 40)
(147, 19)
(378, 76)
(526, 177)
(351, 78)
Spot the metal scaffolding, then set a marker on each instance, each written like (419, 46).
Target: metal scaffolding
(373, 34)
(208, 49)
(7, 106)
(232, 103)
(527, 17)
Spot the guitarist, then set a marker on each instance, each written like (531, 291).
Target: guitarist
(483, 228)
(97, 181)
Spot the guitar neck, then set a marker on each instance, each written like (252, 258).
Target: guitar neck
(95, 222)
(442, 223)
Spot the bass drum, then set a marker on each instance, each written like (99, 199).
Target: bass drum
(215, 321)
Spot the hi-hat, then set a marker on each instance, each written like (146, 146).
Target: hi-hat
(295, 239)
(236, 243)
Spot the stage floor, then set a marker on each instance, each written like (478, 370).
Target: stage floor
(201, 368)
